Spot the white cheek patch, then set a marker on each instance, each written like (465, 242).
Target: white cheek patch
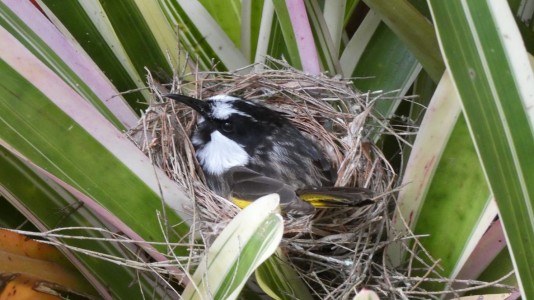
(220, 154)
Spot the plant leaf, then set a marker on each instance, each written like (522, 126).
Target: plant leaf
(414, 30)
(47, 205)
(201, 35)
(47, 122)
(247, 241)
(326, 48)
(278, 280)
(495, 82)
(53, 49)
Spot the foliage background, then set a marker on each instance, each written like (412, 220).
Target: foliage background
(468, 160)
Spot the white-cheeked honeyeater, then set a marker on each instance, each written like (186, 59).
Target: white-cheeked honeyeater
(248, 150)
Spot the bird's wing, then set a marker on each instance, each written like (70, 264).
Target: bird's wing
(248, 185)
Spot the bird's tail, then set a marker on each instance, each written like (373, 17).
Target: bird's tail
(331, 197)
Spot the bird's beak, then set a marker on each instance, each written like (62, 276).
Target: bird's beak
(200, 106)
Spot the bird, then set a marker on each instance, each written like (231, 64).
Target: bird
(247, 150)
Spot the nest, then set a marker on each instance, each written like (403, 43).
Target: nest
(336, 251)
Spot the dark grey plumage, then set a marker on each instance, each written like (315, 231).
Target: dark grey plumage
(248, 150)
(275, 147)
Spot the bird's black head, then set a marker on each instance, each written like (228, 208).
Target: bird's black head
(230, 130)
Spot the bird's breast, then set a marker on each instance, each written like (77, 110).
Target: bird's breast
(220, 154)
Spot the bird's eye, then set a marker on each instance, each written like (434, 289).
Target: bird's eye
(227, 127)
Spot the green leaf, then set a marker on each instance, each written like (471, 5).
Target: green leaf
(489, 64)
(251, 18)
(432, 138)
(33, 42)
(383, 65)
(354, 49)
(414, 30)
(230, 20)
(280, 281)
(423, 88)
(325, 45)
(457, 193)
(247, 241)
(49, 206)
(202, 36)
(137, 38)
(88, 24)
(265, 30)
(11, 217)
(333, 16)
(286, 28)
(47, 122)
(277, 46)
